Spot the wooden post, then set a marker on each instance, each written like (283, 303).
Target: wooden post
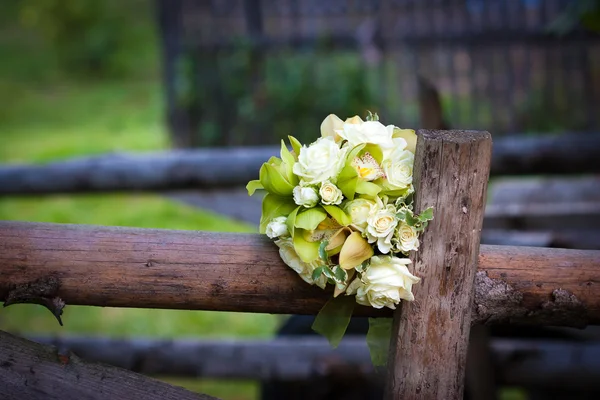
(430, 336)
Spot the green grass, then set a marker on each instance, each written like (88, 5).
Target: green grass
(45, 117)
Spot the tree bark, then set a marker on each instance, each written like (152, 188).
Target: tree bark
(430, 336)
(35, 372)
(211, 168)
(243, 272)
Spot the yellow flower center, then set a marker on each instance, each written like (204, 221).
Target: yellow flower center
(365, 171)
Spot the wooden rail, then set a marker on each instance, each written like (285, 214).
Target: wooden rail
(151, 268)
(211, 168)
(35, 372)
(518, 362)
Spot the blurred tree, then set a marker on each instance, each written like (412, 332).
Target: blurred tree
(91, 37)
(584, 13)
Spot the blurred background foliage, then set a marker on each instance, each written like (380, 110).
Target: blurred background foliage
(91, 38)
(81, 77)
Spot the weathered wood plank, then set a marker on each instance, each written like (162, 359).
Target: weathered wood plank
(210, 168)
(243, 272)
(283, 358)
(35, 372)
(544, 190)
(515, 361)
(430, 337)
(569, 238)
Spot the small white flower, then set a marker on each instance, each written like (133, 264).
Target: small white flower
(320, 161)
(386, 282)
(406, 238)
(367, 132)
(399, 170)
(380, 226)
(305, 196)
(359, 210)
(330, 194)
(277, 228)
(305, 270)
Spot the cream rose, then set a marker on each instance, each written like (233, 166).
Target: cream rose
(277, 228)
(359, 211)
(399, 170)
(290, 258)
(406, 238)
(320, 161)
(368, 132)
(380, 227)
(330, 194)
(398, 144)
(305, 196)
(386, 282)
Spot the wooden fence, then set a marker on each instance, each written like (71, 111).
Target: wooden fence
(463, 284)
(569, 153)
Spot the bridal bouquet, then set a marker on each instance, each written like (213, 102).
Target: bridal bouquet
(341, 212)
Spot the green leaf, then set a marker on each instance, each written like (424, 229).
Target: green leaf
(273, 181)
(333, 319)
(275, 206)
(323, 252)
(369, 188)
(310, 218)
(253, 186)
(401, 215)
(291, 220)
(339, 215)
(328, 273)
(426, 215)
(362, 268)
(296, 145)
(348, 177)
(317, 273)
(396, 193)
(288, 165)
(410, 219)
(378, 339)
(307, 251)
(347, 180)
(339, 275)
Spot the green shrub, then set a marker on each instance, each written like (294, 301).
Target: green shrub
(91, 37)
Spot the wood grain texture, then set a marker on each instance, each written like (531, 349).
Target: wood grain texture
(36, 372)
(210, 168)
(153, 268)
(430, 336)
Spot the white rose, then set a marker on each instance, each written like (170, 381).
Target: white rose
(380, 227)
(385, 283)
(330, 194)
(398, 144)
(305, 270)
(367, 132)
(359, 211)
(399, 169)
(305, 196)
(277, 227)
(320, 161)
(407, 238)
